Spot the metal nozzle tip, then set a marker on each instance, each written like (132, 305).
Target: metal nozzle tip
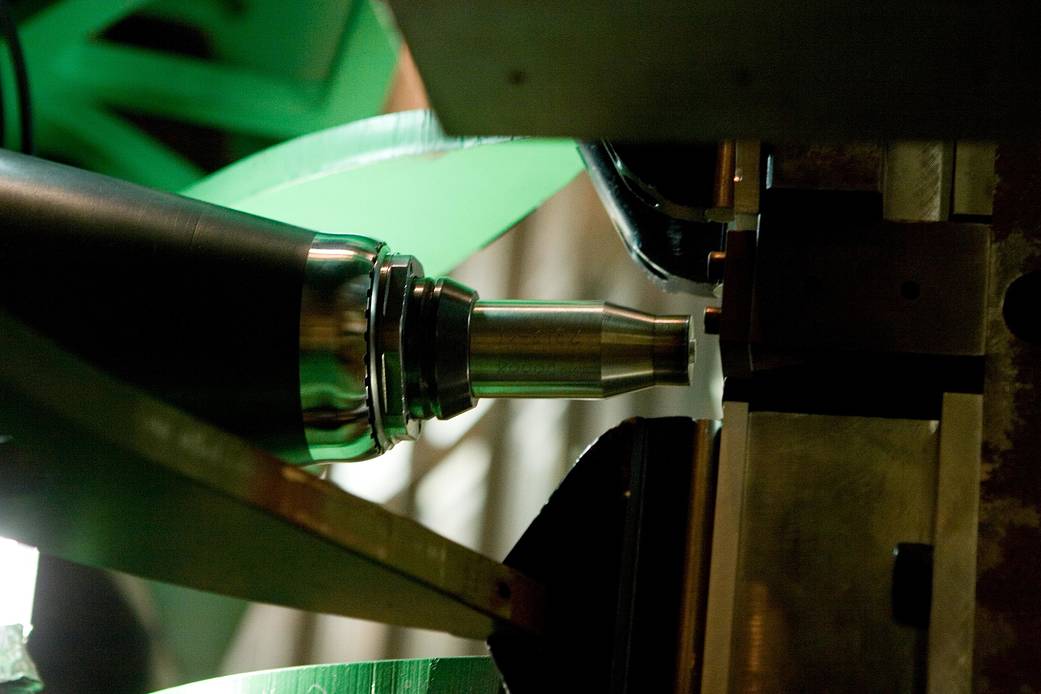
(574, 349)
(673, 350)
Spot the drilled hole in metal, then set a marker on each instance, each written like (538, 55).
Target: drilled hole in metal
(1022, 307)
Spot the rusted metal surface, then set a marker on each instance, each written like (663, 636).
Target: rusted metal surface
(1008, 603)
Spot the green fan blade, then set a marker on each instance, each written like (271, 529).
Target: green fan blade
(399, 178)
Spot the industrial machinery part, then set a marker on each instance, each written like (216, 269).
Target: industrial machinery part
(854, 359)
(668, 203)
(100, 473)
(622, 549)
(320, 348)
(789, 607)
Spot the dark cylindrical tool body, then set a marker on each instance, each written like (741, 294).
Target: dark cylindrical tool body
(197, 303)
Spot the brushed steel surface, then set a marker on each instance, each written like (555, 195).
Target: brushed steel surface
(917, 181)
(974, 178)
(953, 610)
(826, 500)
(726, 531)
(574, 349)
(334, 334)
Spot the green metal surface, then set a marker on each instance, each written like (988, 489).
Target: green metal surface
(272, 69)
(474, 675)
(398, 178)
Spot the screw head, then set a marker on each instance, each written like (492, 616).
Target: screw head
(713, 318)
(716, 265)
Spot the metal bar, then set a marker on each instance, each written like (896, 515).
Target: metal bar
(97, 472)
(747, 154)
(690, 640)
(974, 178)
(726, 533)
(723, 186)
(917, 181)
(954, 545)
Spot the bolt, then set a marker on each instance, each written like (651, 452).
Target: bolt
(713, 317)
(716, 264)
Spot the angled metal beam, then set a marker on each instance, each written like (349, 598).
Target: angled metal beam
(102, 474)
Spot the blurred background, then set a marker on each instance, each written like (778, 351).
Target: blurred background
(164, 93)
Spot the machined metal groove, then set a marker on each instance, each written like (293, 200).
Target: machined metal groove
(387, 307)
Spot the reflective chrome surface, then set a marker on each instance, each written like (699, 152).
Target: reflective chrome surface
(334, 397)
(382, 348)
(526, 349)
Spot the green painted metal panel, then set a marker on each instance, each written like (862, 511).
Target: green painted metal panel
(468, 675)
(399, 178)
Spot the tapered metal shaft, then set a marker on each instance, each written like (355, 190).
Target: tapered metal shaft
(532, 349)
(319, 348)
